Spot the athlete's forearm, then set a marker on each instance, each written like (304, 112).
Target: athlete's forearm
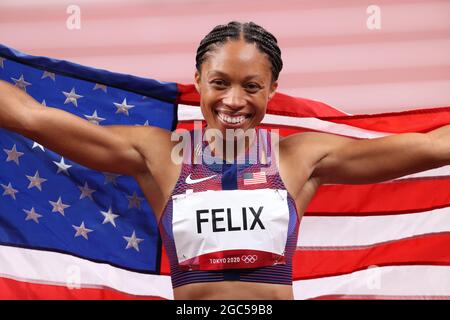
(440, 142)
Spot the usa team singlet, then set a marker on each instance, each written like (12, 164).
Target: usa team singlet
(230, 222)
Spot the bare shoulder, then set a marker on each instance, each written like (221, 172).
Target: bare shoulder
(155, 147)
(312, 146)
(316, 140)
(296, 162)
(299, 156)
(160, 172)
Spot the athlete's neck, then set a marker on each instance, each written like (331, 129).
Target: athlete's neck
(235, 143)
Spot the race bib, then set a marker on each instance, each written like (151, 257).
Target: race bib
(230, 229)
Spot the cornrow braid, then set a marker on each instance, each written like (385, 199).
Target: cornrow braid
(252, 33)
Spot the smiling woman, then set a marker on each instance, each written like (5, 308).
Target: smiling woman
(229, 227)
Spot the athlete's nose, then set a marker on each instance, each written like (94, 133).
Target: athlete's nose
(234, 98)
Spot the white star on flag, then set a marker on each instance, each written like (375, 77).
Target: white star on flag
(123, 107)
(44, 103)
(1, 62)
(47, 74)
(36, 181)
(95, 119)
(62, 166)
(9, 191)
(82, 231)
(134, 201)
(100, 86)
(37, 145)
(59, 206)
(21, 83)
(111, 178)
(86, 191)
(32, 215)
(13, 154)
(109, 217)
(133, 242)
(72, 97)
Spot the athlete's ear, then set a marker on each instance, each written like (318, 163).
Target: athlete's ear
(197, 81)
(273, 89)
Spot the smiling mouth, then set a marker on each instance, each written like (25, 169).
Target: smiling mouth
(232, 120)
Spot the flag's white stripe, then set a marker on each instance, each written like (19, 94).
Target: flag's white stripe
(322, 125)
(369, 230)
(186, 113)
(62, 269)
(393, 280)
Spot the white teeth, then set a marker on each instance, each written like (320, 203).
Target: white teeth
(232, 120)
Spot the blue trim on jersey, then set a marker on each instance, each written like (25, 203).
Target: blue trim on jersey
(229, 177)
(232, 275)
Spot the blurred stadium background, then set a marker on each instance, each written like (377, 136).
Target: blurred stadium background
(329, 53)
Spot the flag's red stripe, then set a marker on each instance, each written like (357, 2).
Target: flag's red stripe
(404, 196)
(285, 105)
(165, 266)
(431, 249)
(14, 289)
(280, 104)
(188, 124)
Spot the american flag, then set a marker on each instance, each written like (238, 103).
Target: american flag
(67, 232)
(254, 177)
(72, 221)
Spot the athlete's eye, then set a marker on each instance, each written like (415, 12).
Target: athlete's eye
(218, 83)
(252, 87)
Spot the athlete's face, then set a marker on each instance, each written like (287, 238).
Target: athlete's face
(235, 85)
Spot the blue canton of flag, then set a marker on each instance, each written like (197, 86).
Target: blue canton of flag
(48, 202)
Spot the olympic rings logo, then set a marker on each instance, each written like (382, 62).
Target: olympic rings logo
(249, 258)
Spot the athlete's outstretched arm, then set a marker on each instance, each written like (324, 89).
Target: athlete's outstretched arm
(346, 160)
(386, 158)
(90, 145)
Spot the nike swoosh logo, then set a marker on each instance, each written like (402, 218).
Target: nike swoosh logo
(192, 181)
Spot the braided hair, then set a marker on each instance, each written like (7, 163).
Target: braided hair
(252, 33)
